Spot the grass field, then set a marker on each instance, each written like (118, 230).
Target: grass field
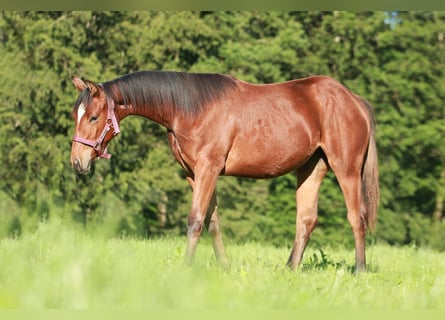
(59, 267)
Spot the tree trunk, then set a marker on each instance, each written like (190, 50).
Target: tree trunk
(438, 211)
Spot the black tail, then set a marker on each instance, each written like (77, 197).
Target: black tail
(370, 175)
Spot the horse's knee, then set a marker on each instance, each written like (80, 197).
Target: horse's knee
(307, 222)
(310, 221)
(194, 227)
(213, 225)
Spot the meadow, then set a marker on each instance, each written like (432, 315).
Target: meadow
(62, 267)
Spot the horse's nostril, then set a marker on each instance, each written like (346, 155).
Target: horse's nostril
(76, 164)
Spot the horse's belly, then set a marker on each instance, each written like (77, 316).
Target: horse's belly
(257, 160)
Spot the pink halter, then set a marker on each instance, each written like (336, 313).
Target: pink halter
(111, 123)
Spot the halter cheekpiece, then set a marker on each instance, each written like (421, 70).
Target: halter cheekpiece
(111, 123)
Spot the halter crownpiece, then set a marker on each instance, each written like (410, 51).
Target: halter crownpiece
(110, 123)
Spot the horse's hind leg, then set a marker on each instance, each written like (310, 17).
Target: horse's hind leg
(351, 187)
(349, 177)
(309, 177)
(212, 224)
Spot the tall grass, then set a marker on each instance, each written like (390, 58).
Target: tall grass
(63, 267)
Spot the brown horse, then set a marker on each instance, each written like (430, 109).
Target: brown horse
(218, 125)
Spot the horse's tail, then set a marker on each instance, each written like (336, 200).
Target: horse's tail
(370, 175)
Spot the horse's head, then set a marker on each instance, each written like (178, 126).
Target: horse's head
(95, 123)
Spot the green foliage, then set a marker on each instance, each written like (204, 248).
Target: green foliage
(399, 67)
(320, 261)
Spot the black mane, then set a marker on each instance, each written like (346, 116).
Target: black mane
(189, 93)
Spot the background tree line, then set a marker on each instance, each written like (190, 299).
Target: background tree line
(396, 61)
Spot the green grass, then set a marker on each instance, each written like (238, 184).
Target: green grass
(60, 267)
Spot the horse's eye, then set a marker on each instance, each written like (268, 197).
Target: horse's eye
(93, 119)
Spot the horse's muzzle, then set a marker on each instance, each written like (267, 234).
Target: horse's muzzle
(81, 168)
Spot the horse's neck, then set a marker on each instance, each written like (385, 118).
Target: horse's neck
(153, 114)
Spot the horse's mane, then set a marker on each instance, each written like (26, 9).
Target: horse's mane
(174, 92)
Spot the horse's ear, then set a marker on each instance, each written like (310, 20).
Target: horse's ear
(92, 87)
(78, 83)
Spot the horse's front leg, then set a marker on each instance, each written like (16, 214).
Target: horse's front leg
(213, 227)
(205, 177)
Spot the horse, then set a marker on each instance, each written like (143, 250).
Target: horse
(219, 125)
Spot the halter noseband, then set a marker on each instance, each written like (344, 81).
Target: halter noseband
(110, 123)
